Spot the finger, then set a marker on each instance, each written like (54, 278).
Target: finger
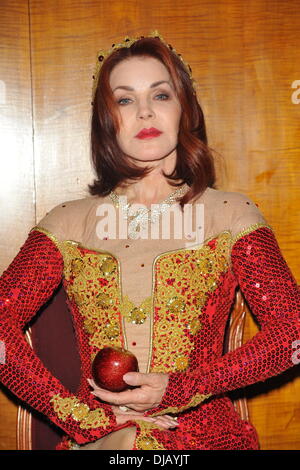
(96, 387)
(121, 398)
(162, 425)
(142, 408)
(166, 423)
(145, 418)
(132, 416)
(118, 411)
(93, 384)
(172, 418)
(138, 378)
(163, 419)
(116, 398)
(167, 420)
(123, 417)
(172, 423)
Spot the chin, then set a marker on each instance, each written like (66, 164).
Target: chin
(151, 155)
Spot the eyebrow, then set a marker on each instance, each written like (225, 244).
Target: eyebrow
(153, 85)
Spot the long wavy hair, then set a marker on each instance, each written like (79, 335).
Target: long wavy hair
(194, 164)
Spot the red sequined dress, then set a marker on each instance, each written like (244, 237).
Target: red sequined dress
(185, 294)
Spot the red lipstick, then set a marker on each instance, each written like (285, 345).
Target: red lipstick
(148, 133)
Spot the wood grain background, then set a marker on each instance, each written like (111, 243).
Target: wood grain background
(245, 58)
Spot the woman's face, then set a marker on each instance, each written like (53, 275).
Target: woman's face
(149, 109)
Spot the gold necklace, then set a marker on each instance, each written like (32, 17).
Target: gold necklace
(144, 215)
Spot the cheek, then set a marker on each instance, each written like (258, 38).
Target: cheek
(178, 117)
(123, 137)
(126, 121)
(174, 124)
(174, 119)
(123, 126)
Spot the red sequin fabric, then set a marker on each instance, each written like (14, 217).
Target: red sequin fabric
(25, 286)
(260, 270)
(197, 308)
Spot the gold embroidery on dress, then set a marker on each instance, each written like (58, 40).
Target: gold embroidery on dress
(94, 286)
(145, 440)
(135, 314)
(195, 401)
(71, 406)
(185, 279)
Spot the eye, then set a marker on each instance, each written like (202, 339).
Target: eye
(123, 101)
(162, 96)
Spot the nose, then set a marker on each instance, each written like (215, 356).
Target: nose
(145, 111)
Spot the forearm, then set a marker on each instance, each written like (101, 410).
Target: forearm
(24, 287)
(26, 376)
(268, 354)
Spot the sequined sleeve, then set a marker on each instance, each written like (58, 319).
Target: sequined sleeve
(24, 287)
(274, 299)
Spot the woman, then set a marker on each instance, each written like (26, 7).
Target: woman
(165, 298)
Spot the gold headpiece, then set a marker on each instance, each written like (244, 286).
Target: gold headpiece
(127, 42)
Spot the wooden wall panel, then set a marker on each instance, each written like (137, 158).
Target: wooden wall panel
(17, 195)
(244, 56)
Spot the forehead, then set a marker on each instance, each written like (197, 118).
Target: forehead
(138, 71)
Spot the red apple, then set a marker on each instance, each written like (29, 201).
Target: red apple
(109, 366)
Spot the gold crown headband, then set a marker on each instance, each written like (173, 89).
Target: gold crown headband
(127, 42)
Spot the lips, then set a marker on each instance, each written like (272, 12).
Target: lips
(148, 133)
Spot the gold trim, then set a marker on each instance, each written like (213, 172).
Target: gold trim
(144, 439)
(24, 416)
(250, 229)
(123, 333)
(240, 234)
(80, 245)
(194, 401)
(72, 407)
(150, 356)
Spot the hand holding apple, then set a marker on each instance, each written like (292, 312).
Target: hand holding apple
(109, 366)
(148, 393)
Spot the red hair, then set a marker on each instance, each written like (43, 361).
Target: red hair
(194, 165)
